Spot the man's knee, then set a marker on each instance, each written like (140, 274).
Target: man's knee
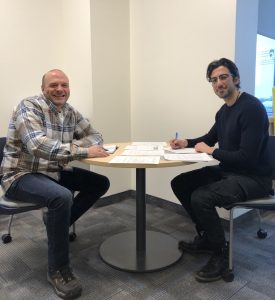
(180, 182)
(174, 183)
(201, 199)
(105, 184)
(100, 188)
(61, 197)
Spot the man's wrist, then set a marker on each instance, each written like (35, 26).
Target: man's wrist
(185, 143)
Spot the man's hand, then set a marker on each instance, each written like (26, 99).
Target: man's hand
(97, 151)
(202, 147)
(178, 144)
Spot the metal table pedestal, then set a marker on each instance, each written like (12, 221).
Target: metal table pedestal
(140, 250)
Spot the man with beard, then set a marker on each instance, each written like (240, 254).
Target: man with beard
(241, 131)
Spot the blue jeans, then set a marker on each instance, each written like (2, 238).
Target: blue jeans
(63, 208)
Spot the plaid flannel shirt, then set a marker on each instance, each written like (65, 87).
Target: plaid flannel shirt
(41, 139)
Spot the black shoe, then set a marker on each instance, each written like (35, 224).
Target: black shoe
(200, 244)
(216, 267)
(65, 283)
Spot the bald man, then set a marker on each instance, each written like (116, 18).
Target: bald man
(46, 133)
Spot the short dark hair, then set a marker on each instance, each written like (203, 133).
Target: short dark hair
(230, 65)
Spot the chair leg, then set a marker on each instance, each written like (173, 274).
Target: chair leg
(6, 238)
(261, 233)
(228, 275)
(231, 228)
(72, 235)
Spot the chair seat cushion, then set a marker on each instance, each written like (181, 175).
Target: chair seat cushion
(9, 206)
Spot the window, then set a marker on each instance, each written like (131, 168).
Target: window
(265, 71)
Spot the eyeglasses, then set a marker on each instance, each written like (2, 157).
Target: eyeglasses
(221, 77)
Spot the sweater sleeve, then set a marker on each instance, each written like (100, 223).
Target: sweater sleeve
(252, 124)
(210, 138)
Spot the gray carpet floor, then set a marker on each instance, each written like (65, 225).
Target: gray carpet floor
(23, 262)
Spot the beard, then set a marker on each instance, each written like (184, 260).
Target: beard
(224, 93)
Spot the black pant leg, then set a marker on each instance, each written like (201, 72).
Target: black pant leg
(90, 186)
(185, 184)
(228, 190)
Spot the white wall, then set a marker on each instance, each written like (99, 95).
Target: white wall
(38, 36)
(172, 42)
(76, 53)
(111, 79)
(31, 43)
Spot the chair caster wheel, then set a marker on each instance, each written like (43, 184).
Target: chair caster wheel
(6, 238)
(72, 236)
(228, 276)
(261, 233)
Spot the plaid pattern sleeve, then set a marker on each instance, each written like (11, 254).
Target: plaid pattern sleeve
(40, 139)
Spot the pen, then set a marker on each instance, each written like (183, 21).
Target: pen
(177, 135)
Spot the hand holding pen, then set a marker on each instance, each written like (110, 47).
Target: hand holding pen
(176, 143)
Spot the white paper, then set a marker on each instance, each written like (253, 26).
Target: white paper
(143, 152)
(181, 151)
(143, 147)
(149, 144)
(110, 148)
(135, 160)
(189, 157)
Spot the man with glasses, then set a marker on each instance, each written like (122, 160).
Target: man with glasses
(241, 132)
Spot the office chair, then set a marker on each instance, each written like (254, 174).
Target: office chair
(11, 207)
(267, 203)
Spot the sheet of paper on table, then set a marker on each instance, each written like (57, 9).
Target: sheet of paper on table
(143, 152)
(110, 148)
(144, 147)
(198, 157)
(123, 159)
(162, 144)
(181, 151)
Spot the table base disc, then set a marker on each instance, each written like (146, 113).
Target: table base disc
(119, 251)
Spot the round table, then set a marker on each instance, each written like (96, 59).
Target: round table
(140, 250)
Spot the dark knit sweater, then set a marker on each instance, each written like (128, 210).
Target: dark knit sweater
(241, 131)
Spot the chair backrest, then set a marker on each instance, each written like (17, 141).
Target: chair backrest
(2, 145)
(271, 146)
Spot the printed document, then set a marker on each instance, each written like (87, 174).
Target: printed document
(198, 157)
(143, 147)
(143, 152)
(162, 144)
(181, 151)
(123, 159)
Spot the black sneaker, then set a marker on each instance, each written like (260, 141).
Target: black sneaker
(200, 244)
(65, 283)
(216, 267)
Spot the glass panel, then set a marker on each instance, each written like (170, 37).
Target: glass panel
(264, 73)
